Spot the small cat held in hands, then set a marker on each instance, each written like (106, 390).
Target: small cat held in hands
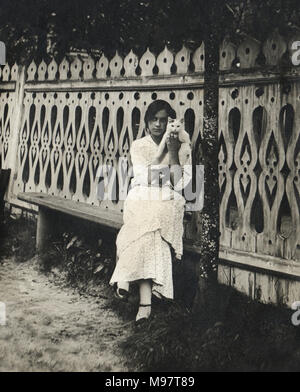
(176, 127)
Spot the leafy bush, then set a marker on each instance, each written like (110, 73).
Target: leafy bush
(81, 259)
(17, 238)
(222, 331)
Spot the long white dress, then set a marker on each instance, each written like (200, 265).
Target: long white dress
(153, 221)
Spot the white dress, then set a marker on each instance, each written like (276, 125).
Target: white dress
(153, 221)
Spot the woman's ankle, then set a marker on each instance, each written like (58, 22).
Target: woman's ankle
(143, 312)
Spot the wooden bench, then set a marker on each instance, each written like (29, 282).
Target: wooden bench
(48, 205)
(54, 213)
(47, 223)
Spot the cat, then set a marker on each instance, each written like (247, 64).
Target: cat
(176, 127)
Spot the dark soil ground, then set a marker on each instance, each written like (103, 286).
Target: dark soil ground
(62, 316)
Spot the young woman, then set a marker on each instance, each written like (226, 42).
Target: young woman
(153, 213)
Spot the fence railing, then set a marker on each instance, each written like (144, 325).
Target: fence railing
(62, 121)
(82, 115)
(259, 156)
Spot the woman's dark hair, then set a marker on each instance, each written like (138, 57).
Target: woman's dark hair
(155, 107)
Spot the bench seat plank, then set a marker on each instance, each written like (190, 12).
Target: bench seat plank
(104, 217)
(108, 218)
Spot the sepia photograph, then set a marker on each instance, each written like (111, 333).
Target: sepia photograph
(149, 188)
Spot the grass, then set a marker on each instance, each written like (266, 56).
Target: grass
(212, 328)
(51, 327)
(225, 332)
(17, 238)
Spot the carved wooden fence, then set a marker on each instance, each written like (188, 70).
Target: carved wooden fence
(9, 109)
(78, 116)
(259, 167)
(60, 122)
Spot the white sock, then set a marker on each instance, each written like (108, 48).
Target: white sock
(144, 312)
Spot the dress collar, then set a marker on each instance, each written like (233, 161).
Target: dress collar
(149, 138)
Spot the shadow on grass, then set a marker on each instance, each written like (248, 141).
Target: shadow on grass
(210, 328)
(17, 238)
(223, 332)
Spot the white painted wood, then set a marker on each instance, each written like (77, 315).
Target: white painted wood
(227, 55)
(60, 140)
(199, 58)
(252, 159)
(147, 63)
(165, 61)
(182, 60)
(42, 69)
(136, 83)
(14, 72)
(243, 281)
(259, 260)
(131, 62)
(247, 52)
(273, 48)
(64, 67)
(224, 274)
(102, 67)
(75, 68)
(88, 68)
(31, 71)
(52, 70)
(69, 127)
(6, 73)
(116, 65)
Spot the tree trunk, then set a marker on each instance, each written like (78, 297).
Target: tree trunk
(207, 154)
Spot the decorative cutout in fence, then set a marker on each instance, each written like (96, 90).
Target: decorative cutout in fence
(259, 154)
(71, 127)
(8, 97)
(5, 126)
(274, 52)
(80, 115)
(166, 63)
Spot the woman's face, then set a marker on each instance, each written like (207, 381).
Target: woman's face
(158, 124)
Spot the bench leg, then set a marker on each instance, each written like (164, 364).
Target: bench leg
(44, 228)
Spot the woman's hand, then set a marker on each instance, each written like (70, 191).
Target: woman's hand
(172, 142)
(173, 145)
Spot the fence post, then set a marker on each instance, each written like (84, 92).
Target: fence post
(16, 129)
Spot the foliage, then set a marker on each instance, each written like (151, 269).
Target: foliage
(17, 238)
(241, 336)
(82, 259)
(35, 29)
(116, 25)
(224, 331)
(230, 334)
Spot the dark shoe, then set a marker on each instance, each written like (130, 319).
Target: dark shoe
(121, 294)
(141, 323)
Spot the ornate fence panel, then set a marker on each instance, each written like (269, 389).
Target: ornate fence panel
(9, 94)
(259, 167)
(80, 115)
(65, 121)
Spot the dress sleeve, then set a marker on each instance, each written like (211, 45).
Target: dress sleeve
(140, 163)
(137, 154)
